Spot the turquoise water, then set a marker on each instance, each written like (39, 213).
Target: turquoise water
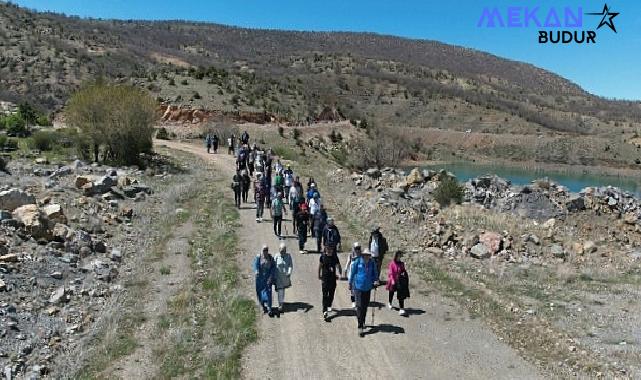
(573, 181)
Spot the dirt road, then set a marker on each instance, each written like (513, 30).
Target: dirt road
(436, 341)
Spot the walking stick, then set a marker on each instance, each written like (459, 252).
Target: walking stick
(373, 306)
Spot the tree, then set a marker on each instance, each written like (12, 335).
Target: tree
(117, 120)
(27, 113)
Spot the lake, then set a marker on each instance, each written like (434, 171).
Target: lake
(575, 182)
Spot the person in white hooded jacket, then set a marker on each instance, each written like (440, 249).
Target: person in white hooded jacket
(284, 268)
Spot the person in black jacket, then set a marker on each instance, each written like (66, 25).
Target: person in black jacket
(378, 247)
(236, 185)
(327, 268)
(246, 184)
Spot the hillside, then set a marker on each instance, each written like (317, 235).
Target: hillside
(384, 80)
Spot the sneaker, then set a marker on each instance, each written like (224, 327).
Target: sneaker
(401, 312)
(353, 305)
(258, 220)
(329, 309)
(302, 252)
(361, 332)
(325, 315)
(389, 305)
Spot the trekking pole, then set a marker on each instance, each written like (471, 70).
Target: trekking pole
(373, 306)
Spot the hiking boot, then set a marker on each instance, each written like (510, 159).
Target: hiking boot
(271, 314)
(401, 312)
(389, 305)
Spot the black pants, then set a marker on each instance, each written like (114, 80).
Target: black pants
(208, 148)
(311, 225)
(250, 166)
(278, 220)
(215, 147)
(379, 264)
(329, 288)
(230, 150)
(302, 238)
(260, 205)
(245, 193)
(362, 303)
(319, 239)
(401, 302)
(237, 197)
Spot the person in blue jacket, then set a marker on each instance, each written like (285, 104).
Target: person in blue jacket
(363, 277)
(265, 271)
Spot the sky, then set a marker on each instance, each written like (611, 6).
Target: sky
(609, 68)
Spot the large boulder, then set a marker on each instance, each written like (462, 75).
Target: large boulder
(53, 213)
(480, 251)
(13, 198)
(33, 220)
(575, 204)
(81, 181)
(373, 173)
(414, 178)
(492, 241)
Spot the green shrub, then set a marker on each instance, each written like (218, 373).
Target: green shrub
(3, 164)
(281, 131)
(448, 191)
(296, 134)
(43, 140)
(162, 134)
(43, 121)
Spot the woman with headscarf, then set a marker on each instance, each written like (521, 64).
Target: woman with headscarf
(284, 268)
(265, 271)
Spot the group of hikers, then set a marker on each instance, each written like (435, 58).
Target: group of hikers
(281, 190)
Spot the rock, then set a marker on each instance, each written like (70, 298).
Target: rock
(81, 181)
(589, 247)
(4, 215)
(56, 275)
(396, 193)
(54, 213)
(428, 174)
(125, 181)
(480, 251)
(116, 255)
(3, 286)
(84, 251)
(9, 258)
(612, 202)
(550, 223)
(127, 212)
(58, 296)
(434, 251)
(42, 161)
(99, 246)
(61, 232)
(577, 248)
(414, 178)
(575, 204)
(373, 173)
(32, 218)
(557, 251)
(630, 218)
(492, 241)
(13, 198)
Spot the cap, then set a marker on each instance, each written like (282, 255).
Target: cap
(357, 245)
(366, 252)
(265, 247)
(376, 228)
(283, 247)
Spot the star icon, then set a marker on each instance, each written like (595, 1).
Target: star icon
(607, 18)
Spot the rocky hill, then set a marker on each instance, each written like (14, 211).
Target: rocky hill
(383, 79)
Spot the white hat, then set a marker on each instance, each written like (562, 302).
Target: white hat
(265, 247)
(283, 247)
(357, 245)
(366, 252)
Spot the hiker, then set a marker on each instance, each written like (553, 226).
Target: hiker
(244, 138)
(302, 222)
(314, 206)
(292, 193)
(241, 160)
(259, 196)
(278, 167)
(288, 176)
(245, 185)
(311, 191)
(378, 247)
(279, 182)
(251, 157)
(276, 211)
(356, 252)
(331, 236)
(397, 282)
(319, 223)
(236, 183)
(214, 143)
(311, 182)
(284, 267)
(363, 277)
(208, 142)
(265, 271)
(327, 274)
(230, 143)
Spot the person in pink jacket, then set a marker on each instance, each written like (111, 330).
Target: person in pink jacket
(397, 282)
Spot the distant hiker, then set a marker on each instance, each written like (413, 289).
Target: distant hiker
(214, 143)
(250, 161)
(353, 255)
(293, 193)
(363, 277)
(331, 236)
(241, 160)
(279, 182)
(244, 138)
(311, 191)
(259, 196)
(302, 223)
(319, 224)
(311, 182)
(245, 185)
(378, 247)
(284, 268)
(236, 185)
(276, 211)
(288, 176)
(278, 167)
(397, 282)
(269, 156)
(327, 269)
(314, 207)
(265, 272)
(208, 142)
(231, 142)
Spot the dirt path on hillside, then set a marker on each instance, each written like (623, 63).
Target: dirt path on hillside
(437, 341)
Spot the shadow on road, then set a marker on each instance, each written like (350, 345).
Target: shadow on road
(385, 328)
(292, 307)
(342, 313)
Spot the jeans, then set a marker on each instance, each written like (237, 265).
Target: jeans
(260, 205)
(237, 197)
(278, 220)
(329, 288)
(401, 302)
(362, 303)
(281, 297)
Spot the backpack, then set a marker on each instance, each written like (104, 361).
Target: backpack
(331, 238)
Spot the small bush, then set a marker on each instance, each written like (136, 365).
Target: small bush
(335, 137)
(448, 191)
(3, 164)
(281, 131)
(43, 121)
(296, 134)
(172, 82)
(162, 134)
(44, 140)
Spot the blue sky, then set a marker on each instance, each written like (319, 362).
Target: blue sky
(610, 68)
